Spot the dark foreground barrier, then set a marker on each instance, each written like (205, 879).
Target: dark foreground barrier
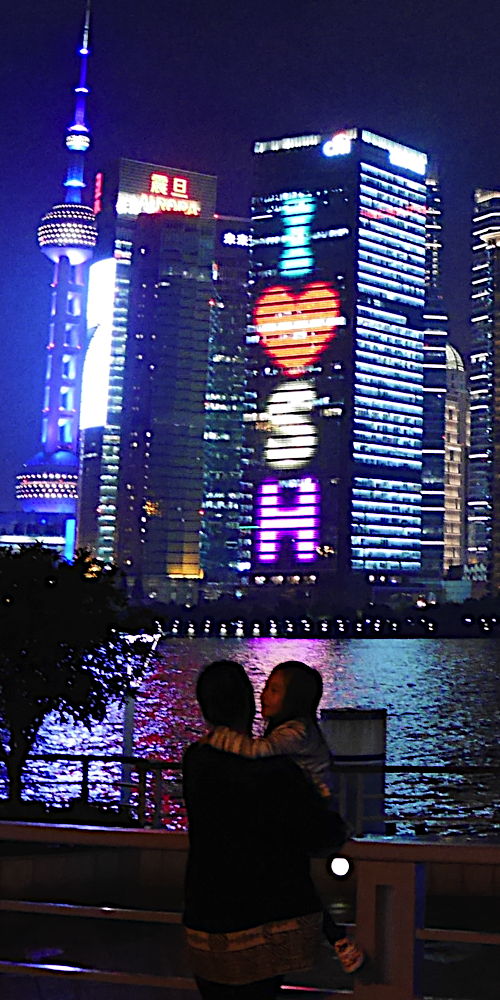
(83, 906)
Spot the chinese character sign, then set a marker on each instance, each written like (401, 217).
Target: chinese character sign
(167, 193)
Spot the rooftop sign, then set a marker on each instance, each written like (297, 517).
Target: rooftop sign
(341, 142)
(166, 194)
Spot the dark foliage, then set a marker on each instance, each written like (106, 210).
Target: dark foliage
(62, 646)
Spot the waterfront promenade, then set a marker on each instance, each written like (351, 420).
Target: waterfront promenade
(92, 914)
(440, 697)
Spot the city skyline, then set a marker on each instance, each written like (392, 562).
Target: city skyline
(182, 86)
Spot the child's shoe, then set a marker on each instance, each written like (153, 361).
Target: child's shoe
(350, 955)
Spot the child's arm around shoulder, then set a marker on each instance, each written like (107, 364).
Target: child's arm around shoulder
(285, 739)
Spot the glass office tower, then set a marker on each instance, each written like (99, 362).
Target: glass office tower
(457, 433)
(436, 322)
(227, 509)
(483, 514)
(152, 317)
(337, 282)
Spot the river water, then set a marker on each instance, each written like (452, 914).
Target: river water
(442, 698)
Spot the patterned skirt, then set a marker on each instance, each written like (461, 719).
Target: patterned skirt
(271, 949)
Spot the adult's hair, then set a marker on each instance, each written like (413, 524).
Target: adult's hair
(303, 693)
(225, 694)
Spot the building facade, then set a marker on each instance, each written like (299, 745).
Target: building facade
(336, 357)
(436, 323)
(457, 434)
(483, 513)
(227, 509)
(157, 240)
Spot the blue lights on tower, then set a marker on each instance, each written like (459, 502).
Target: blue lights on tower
(388, 370)
(78, 134)
(67, 235)
(297, 257)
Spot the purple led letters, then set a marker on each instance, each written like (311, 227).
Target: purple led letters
(299, 522)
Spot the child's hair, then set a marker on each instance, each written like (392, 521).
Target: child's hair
(303, 692)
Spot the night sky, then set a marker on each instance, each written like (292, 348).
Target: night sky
(192, 83)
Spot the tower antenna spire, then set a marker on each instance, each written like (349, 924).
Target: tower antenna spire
(78, 133)
(86, 28)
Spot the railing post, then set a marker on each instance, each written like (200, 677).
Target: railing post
(158, 809)
(342, 779)
(127, 750)
(389, 910)
(84, 793)
(141, 805)
(358, 781)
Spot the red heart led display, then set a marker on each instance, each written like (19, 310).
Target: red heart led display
(294, 329)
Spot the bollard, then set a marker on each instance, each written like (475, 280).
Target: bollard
(128, 750)
(357, 737)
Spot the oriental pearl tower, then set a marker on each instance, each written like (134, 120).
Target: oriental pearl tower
(67, 235)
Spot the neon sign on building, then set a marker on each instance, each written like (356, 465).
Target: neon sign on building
(298, 521)
(294, 324)
(294, 329)
(344, 419)
(230, 239)
(166, 194)
(98, 189)
(400, 156)
(293, 437)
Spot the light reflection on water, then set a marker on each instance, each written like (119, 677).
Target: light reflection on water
(442, 698)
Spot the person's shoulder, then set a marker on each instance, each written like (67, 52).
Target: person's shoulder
(196, 753)
(297, 726)
(192, 749)
(202, 755)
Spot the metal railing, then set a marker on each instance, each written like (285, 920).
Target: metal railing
(390, 903)
(151, 791)
(147, 787)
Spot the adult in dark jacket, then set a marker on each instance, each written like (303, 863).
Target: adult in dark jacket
(252, 913)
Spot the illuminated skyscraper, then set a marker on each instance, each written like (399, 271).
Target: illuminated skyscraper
(227, 507)
(148, 312)
(336, 356)
(457, 431)
(483, 516)
(67, 236)
(436, 323)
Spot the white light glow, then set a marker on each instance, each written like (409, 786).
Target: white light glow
(235, 239)
(291, 142)
(95, 380)
(399, 155)
(294, 438)
(151, 204)
(338, 145)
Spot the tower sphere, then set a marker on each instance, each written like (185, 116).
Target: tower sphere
(68, 230)
(49, 483)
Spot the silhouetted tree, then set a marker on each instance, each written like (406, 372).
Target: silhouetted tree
(62, 646)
